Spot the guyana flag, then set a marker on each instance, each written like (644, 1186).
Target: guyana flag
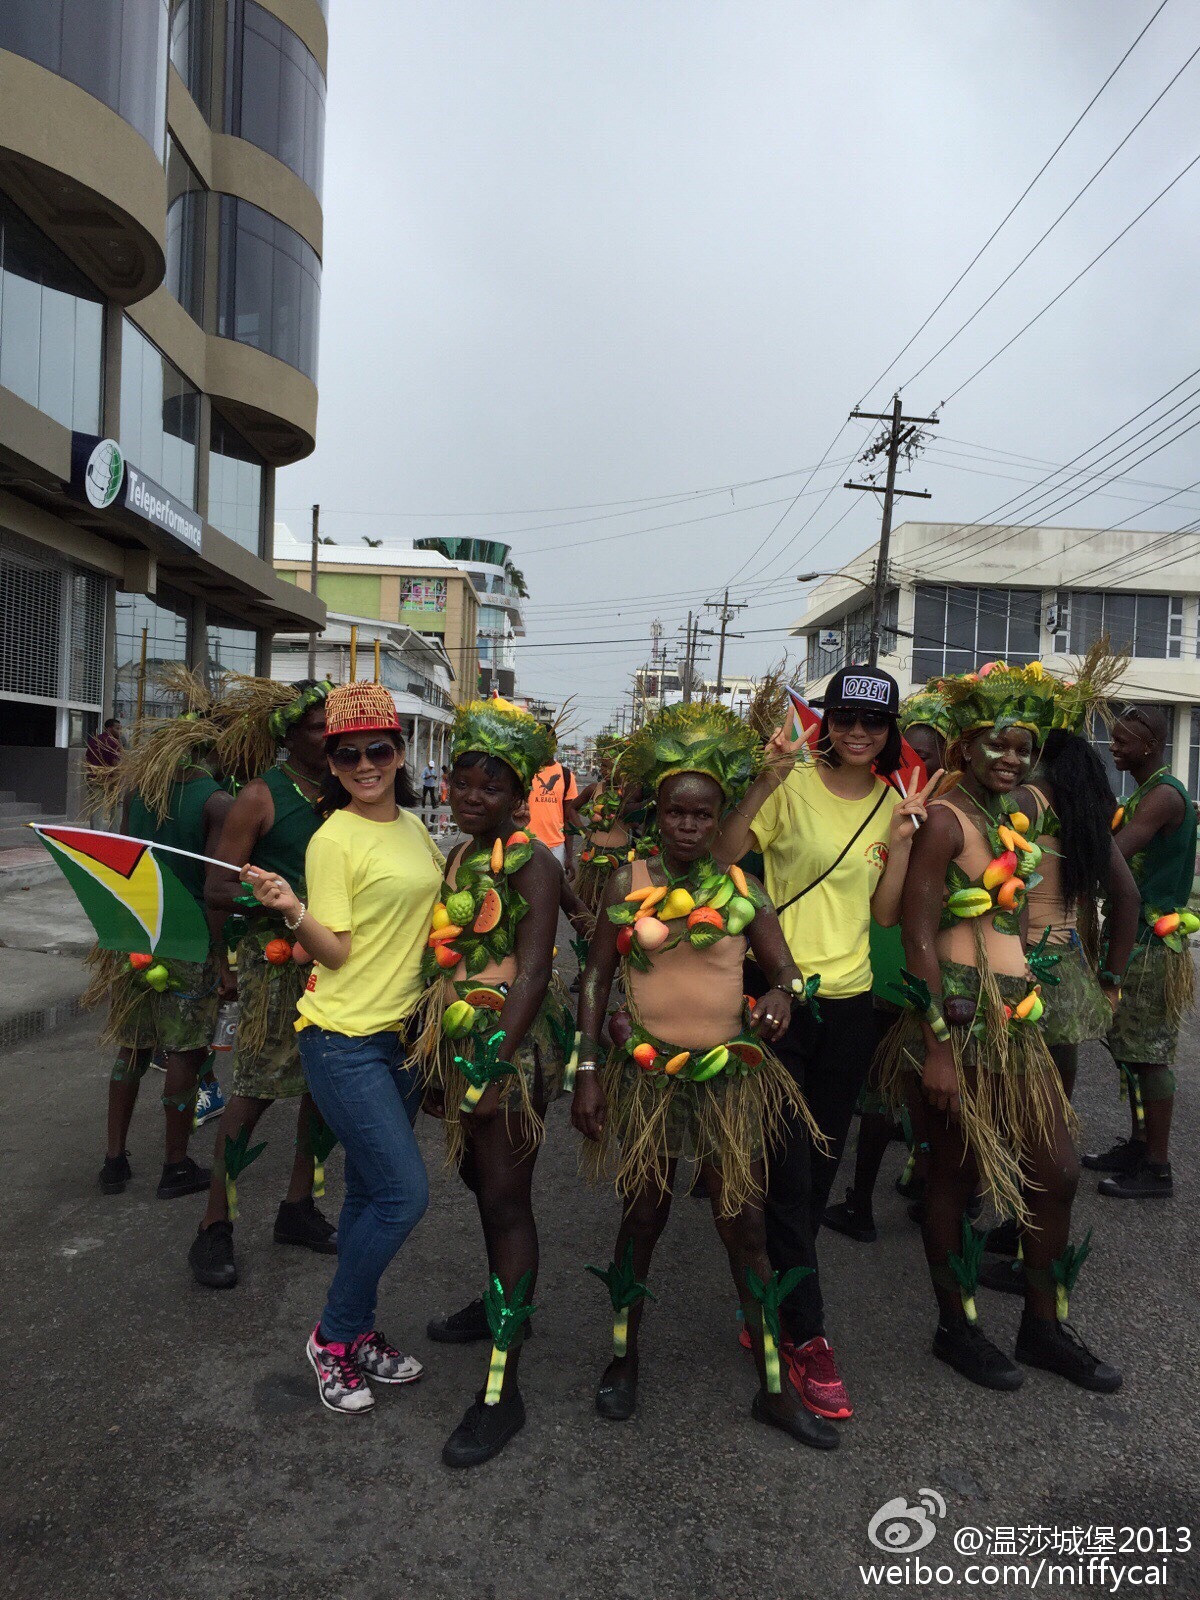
(131, 897)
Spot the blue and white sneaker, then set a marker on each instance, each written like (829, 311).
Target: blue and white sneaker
(210, 1103)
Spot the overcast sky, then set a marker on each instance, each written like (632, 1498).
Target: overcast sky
(580, 252)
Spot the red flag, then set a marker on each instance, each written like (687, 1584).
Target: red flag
(803, 725)
(910, 776)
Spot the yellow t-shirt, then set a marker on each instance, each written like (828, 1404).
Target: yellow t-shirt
(379, 882)
(800, 831)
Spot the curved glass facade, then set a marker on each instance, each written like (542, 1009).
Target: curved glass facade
(114, 49)
(269, 286)
(160, 415)
(191, 48)
(187, 200)
(235, 485)
(51, 326)
(274, 91)
(489, 551)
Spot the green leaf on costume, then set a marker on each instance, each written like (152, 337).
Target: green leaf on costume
(704, 935)
(517, 857)
(956, 878)
(622, 915)
(1007, 922)
(321, 1138)
(621, 1281)
(477, 959)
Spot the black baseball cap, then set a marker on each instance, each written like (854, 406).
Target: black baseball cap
(861, 689)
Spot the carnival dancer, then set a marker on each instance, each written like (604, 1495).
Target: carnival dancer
(604, 809)
(173, 799)
(835, 840)
(691, 1070)
(970, 1043)
(372, 874)
(493, 1036)
(925, 723)
(1156, 834)
(269, 826)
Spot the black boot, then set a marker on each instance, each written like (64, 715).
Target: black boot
(616, 1394)
(965, 1347)
(299, 1222)
(211, 1257)
(182, 1177)
(115, 1174)
(485, 1430)
(1124, 1156)
(468, 1326)
(852, 1219)
(1056, 1347)
(800, 1424)
(1151, 1181)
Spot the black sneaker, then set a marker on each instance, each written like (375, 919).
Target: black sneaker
(850, 1219)
(211, 1257)
(1056, 1347)
(182, 1177)
(1004, 1239)
(968, 1350)
(468, 1326)
(1151, 1181)
(912, 1188)
(484, 1431)
(115, 1174)
(801, 1424)
(299, 1222)
(1126, 1155)
(1006, 1277)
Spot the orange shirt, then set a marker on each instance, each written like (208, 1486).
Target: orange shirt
(547, 803)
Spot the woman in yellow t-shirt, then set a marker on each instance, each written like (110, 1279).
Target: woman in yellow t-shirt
(835, 840)
(373, 875)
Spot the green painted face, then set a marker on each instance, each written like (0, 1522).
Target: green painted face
(1000, 759)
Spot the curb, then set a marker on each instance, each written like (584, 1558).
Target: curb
(25, 1025)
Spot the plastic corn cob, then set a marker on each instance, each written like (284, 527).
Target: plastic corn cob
(505, 1319)
(625, 1290)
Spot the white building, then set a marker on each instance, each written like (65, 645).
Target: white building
(413, 666)
(964, 595)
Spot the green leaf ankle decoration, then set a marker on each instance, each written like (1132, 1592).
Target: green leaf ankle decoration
(1131, 1089)
(624, 1290)
(486, 1067)
(805, 991)
(966, 1268)
(770, 1296)
(1066, 1269)
(505, 1320)
(1042, 960)
(321, 1140)
(237, 1156)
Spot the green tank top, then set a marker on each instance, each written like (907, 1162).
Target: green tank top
(183, 826)
(1164, 870)
(281, 849)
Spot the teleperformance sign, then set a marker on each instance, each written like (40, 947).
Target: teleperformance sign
(100, 472)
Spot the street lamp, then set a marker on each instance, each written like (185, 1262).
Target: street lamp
(808, 577)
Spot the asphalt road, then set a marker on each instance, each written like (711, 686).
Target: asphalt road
(160, 1440)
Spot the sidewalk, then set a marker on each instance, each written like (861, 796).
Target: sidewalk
(44, 936)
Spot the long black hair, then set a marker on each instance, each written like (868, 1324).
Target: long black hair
(889, 759)
(1084, 802)
(334, 795)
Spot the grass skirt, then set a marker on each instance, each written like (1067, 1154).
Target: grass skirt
(591, 880)
(1010, 1093)
(524, 1094)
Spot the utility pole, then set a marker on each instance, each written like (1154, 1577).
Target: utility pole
(686, 675)
(727, 615)
(902, 433)
(312, 589)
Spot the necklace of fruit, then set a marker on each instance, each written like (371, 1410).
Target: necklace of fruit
(476, 921)
(699, 906)
(1000, 889)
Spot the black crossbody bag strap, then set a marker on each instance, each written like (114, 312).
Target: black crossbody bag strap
(842, 854)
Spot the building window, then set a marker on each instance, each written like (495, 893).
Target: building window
(274, 91)
(160, 415)
(191, 49)
(115, 50)
(187, 202)
(232, 646)
(269, 293)
(854, 648)
(166, 620)
(235, 485)
(1144, 624)
(960, 629)
(51, 326)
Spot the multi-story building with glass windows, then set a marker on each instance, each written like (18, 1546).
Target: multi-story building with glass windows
(964, 595)
(501, 588)
(160, 280)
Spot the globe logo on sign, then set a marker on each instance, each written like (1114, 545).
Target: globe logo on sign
(104, 475)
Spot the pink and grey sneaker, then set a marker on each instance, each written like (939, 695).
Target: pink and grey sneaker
(340, 1382)
(381, 1361)
(815, 1375)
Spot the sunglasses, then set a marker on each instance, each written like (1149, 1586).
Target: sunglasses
(846, 720)
(380, 753)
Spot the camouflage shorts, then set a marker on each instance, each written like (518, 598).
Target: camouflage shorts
(1143, 1030)
(267, 997)
(1076, 1009)
(183, 1017)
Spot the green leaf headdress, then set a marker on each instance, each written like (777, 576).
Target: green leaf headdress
(498, 728)
(255, 716)
(695, 738)
(1000, 696)
(926, 710)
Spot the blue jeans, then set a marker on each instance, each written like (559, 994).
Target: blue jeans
(369, 1098)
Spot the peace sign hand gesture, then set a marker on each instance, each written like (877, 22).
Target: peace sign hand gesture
(779, 755)
(910, 813)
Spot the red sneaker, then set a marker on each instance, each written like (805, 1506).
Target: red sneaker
(814, 1372)
(744, 1338)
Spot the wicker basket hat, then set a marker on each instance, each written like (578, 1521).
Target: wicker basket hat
(360, 708)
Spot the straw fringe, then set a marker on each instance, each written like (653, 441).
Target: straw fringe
(114, 983)
(1179, 984)
(267, 1003)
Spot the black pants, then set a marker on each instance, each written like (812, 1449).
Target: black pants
(829, 1060)
(428, 798)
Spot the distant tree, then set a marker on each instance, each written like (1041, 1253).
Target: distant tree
(517, 578)
(323, 538)
(374, 543)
